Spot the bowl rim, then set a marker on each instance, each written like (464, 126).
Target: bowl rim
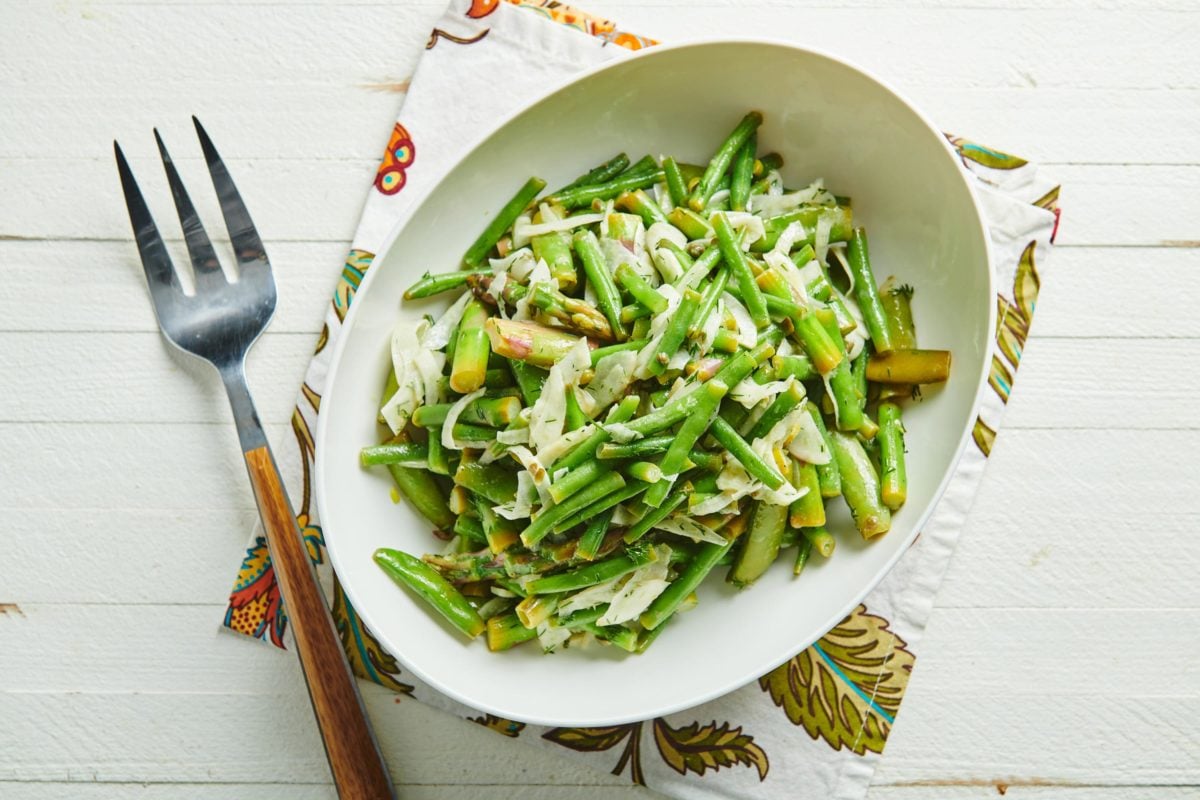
(319, 468)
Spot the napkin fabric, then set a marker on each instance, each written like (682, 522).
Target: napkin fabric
(812, 728)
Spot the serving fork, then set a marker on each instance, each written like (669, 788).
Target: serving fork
(219, 323)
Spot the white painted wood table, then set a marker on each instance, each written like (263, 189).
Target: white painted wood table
(1061, 659)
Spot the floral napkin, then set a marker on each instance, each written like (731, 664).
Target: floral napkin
(812, 728)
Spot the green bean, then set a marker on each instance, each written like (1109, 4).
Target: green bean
(742, 174)
(471, 349)
(676, 186)
(808, 510)
(708, 302)
(798, 366)
(500, 533)
(732, 373)
(494, 412)
(827, 474)
(577, 479)
(644, 471)
(675, 333)
(866, 291)
(639, 448)
(909, 366)
(502, 222)
(617, 635)
(690, 223)
(599, 174)
(428, 584)
(404, 454)
(593, 535)
(596, 270)
(803, 550)
(820, 540)
(739, 268)
(653, 516)
(438, 460)
(769, 162)
(592, 574)
(506, 631)
(894, 481)
(555, 249)
(843, 388)
(860, 485)
(685, 259)
(608, 350)
(545, 521)
(642, 204)
(529, 379)
(527, 341)
(639, 289)
(726, 341)
(693, 428)
(621, 412)
(536, 609)
(721, 159)
(429, 285)
(642, 166)
(634, 312)
(741, 450)
(838, 217)
(705, 460)
(780, 407)
(421, 490)
(492, 379)
(608, 501)
(688, 580)
(897, 307)
(761, 547)
(470, 528)
(464, 432)
(493, 481)
(584, 195)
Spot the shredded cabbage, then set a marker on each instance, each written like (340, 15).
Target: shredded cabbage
(807, 443)
(614, 373)
(521, 506)
(590, 597)
(537, 472)
(747, 330)
(551, 637)
(770, 205)
(751, 224)
(689, 528)
(564, 444)
(550, 411)
(522, 233)
(643, 585)
(750, 393)
(621, 432)
(456, 410)
(438, 335)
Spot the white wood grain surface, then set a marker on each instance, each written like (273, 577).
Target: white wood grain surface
(1061, 659)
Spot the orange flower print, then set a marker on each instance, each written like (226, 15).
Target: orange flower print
(399, 157)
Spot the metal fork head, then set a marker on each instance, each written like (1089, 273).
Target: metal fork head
(221, 320)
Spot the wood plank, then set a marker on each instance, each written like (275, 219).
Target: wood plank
(983, 652)
(235, 738)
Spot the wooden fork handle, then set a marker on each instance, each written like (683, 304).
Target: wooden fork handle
(353, 753)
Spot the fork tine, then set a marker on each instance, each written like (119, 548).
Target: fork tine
(204, 259)
(160, 274)
(242, 233)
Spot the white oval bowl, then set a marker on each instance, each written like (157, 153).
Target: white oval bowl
(829, 120)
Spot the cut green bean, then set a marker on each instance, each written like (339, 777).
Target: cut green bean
(803, 551)
(506, 631)
(438, 460)
(429, 285)
(721, 159)
(593, 535)
(808, 510)
(688, 580)
(743, 174)
(676, 185)
(577, 479)
(820, 540)
(866, 291)
(555, 249)
(909, 366)
(591, 574)
(601, 280)
(584, 195)
(471, 349)
(545, 521)
(601, 173)
(627, 492)
(675, 333)
(502, 222)
(848, 404)
(639, 289)
(827, 474)
(676, 457)
(739, 268)
(894, 480)
(419, 488)
(653, 516)
(708, 303)
(728, 438)
(642, 204)
(860, 486)
(404, 454)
